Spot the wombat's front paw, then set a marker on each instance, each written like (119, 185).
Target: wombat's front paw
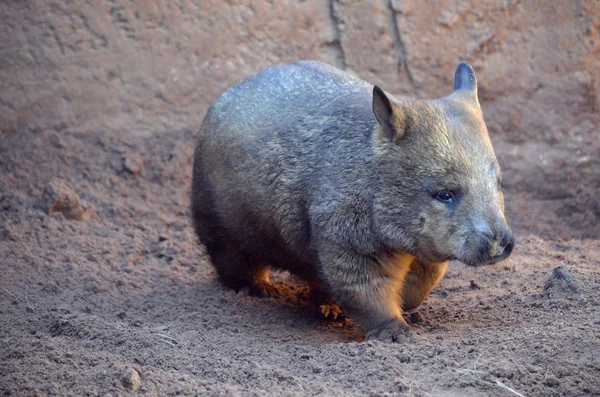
(395, 331)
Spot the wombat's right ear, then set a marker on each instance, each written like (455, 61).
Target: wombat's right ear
(464, 79)
(388, 115)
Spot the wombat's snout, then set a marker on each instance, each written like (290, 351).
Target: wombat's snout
(500, 246)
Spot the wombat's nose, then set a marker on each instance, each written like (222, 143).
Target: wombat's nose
(507, 243)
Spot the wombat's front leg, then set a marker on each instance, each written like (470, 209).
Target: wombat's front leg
(369, 290)
(419, 282)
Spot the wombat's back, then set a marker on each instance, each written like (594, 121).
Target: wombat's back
(264, 146)
(285, 95)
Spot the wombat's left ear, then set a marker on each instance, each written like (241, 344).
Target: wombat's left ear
(390, 116)
(464, 79)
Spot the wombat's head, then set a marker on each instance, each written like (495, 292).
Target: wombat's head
(438, 194)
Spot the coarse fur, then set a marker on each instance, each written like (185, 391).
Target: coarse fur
(305, 168)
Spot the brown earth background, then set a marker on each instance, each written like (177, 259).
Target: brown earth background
(102, 280)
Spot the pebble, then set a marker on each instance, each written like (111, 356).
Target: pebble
(474, 285)
(59, 196)
(551, 381)
(133, 164)
(131, 379)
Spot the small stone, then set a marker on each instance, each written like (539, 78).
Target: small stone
(133, 164)
(131, 379)
(59, 197)
(551, 381)
(402, 386)
(474, 285)
(448, 18)
(119, 148)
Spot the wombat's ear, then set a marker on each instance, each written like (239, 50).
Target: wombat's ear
(464, 79)
(388, 115)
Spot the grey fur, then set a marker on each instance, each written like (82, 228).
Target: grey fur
(292, 170)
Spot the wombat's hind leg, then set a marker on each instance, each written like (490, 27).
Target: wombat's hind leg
(259, 283)
(237, 272)
(323, 304)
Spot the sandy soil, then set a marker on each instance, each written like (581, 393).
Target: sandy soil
(103, 289)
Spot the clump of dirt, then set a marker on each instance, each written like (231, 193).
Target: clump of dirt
(59, 196)
(131, 379)
(562, 283)
(127, 300)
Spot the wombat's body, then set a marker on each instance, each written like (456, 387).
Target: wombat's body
(305, 168)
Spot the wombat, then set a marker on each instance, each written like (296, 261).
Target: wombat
(306, 168)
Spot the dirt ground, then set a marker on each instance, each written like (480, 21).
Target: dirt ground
(112, 293)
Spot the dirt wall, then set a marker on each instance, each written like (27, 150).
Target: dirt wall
(151, 65)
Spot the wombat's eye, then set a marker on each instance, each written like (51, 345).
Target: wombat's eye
(445, 196)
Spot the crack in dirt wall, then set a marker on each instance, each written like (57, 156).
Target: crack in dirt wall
(337, 40)
(402, 55)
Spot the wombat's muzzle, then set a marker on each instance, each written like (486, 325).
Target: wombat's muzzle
(503, 248)
(492, 248)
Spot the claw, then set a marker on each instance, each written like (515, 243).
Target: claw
(330, 311)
